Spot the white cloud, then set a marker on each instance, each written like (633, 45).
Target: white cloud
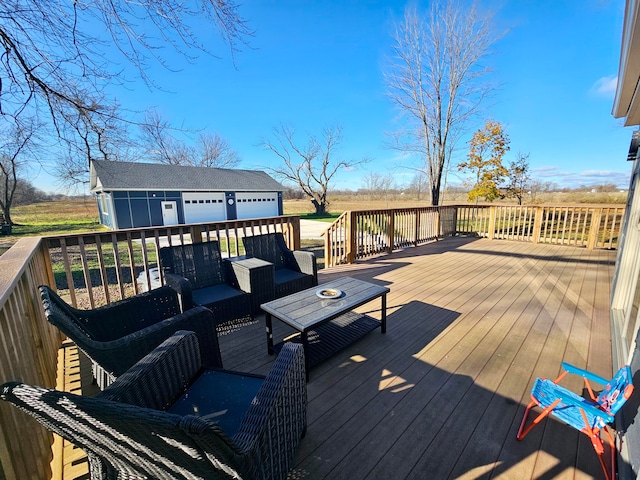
(605, 86)
(570, 179)
(542, 171)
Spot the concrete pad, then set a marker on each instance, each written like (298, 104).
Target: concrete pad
(313, 229)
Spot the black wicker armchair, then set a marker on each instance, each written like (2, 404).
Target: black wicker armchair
(200, 277)
(119, 334)
(294, 270)
(128, 431)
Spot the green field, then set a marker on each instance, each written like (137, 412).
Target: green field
(81, 215)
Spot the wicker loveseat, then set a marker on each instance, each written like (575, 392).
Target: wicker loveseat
(127, 432)
(119, 334)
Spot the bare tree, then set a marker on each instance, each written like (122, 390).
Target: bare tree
(216, 151)
(163, 145)
(418, 185)
(59, 58)
(311, 167)
(437, 80)
(14, 145)
(539, 188)
(519, 177)
(26, 193)
(99, 133)
(378, 185)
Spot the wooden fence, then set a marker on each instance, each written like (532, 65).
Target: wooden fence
(364, 233)
(97, 268)
(93, 269)
(100, 267)
(29, 351)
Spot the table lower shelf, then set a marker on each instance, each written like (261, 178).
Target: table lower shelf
(328, 338)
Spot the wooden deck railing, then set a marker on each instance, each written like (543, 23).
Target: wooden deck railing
(100, 267)
(28, 353)
(92, 269)
(97, 268)
(364, 233)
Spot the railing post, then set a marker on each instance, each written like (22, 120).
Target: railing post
(537, 225)
(492, 223)
(328, 261)
(416, 226)
(46, 258)
(594, 229)
(33, 345)
(391, 230)
(294, 222)
(195, 232)
(351, 238)
(454, 231)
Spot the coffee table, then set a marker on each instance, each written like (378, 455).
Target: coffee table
(326, 325)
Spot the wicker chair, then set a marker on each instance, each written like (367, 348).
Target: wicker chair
(200, 277)
(119, 334)
(127, 431)
(294, 270)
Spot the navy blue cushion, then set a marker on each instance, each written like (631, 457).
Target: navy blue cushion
(216, 293)
(219, 396)
(285, 275)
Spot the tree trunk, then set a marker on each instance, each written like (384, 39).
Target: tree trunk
(435, 195)
(321, 207)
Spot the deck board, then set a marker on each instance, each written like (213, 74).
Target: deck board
(471, 323)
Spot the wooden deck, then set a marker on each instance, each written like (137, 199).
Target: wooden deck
(471, 323)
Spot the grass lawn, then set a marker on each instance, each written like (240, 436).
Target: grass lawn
(328, 218)
(52, 218)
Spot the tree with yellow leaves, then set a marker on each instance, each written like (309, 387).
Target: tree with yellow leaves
(484, 161)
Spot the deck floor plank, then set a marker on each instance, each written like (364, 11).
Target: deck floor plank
(471, 324)
(493, 428)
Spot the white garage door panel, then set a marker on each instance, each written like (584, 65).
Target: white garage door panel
(256, 205)
(203, 207)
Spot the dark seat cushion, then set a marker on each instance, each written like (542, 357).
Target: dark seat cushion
(284, 275)
(219, 396)
(216, 293)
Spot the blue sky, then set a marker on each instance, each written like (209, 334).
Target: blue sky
(318, 64)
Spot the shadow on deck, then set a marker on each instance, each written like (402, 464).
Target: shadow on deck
(471, 324)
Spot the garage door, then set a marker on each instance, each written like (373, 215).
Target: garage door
(203, 207)
(257, 205)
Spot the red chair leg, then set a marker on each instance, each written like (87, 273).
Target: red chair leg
(612, 448)
(522, 431)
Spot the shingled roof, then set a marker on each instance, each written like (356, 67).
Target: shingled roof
(108, 175)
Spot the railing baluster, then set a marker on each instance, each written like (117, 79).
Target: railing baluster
(588, 216)
(85, 271)
(145, 261)
(67, 270)
(118, 264)
(614, 221)
(132, 265)
(103, 271)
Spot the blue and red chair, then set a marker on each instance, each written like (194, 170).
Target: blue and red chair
(590, 414)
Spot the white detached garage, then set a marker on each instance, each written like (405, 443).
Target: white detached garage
(133, 195)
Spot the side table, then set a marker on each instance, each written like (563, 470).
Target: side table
(254, 276)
